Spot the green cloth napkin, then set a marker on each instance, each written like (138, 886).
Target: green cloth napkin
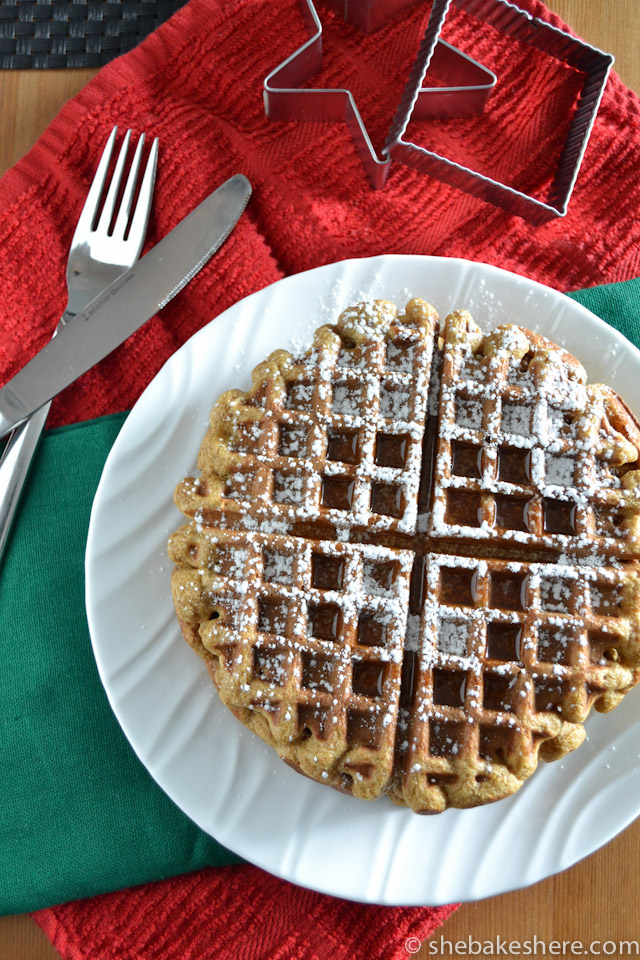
(617, 304)
(79, 814)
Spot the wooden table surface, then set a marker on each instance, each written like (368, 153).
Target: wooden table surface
(596, 900)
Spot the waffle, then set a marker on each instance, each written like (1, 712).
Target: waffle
(411, 555)
(507, 660)
(304, 641)
(528, 453)
(334, 438)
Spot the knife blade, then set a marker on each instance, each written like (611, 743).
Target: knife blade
(125, 304)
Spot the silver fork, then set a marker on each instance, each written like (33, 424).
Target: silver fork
(98, 255)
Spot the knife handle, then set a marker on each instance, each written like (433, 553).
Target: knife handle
(14, 467)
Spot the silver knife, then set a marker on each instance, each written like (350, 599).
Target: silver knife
(126, 304)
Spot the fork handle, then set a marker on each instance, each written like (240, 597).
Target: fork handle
(14, 467)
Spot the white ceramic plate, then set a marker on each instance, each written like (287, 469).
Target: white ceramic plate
(222, 776)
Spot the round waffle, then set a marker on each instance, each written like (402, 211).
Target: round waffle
(411, 556)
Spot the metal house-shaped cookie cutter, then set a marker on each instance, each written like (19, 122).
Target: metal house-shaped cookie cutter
(468, 87)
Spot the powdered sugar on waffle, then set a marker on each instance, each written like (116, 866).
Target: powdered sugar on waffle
(524, 457)
(544, 410)
(348, 398)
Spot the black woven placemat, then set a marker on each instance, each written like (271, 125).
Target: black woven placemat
(75, 34)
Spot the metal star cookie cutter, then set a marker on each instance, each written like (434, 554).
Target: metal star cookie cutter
(286, 100)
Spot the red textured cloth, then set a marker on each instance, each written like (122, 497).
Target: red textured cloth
(237, 913)
(196, 83)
